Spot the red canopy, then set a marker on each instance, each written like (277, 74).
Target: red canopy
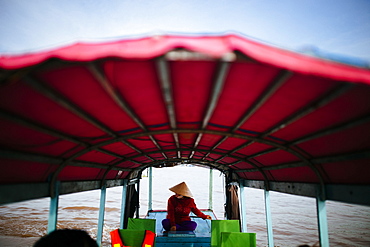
(108, 110)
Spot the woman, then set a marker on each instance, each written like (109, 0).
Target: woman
(178, 209)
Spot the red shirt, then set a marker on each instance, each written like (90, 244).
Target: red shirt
(178, 210)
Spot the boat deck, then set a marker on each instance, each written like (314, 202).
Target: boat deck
(201, 237)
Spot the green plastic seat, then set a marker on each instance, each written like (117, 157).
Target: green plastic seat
(219, 226)
(238, 239)
(141, 224)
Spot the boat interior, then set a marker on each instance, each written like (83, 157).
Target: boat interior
(92, 116)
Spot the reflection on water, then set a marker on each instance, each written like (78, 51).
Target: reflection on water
(293, 217)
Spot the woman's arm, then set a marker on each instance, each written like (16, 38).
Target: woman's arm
(199, 213)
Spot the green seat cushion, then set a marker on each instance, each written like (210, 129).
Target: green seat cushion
(218, 226)
(238, 239)
(141, 224)
(132, 238)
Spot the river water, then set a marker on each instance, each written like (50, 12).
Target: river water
(293, 217)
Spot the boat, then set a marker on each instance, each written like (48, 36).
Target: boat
(91, 116)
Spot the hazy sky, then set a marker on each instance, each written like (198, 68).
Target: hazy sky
(335, 26)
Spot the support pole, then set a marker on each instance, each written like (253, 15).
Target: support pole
(53, 210)
(150, 201)
(103, 194)
(210, 199)
(138, 194)
(123, 203)
(322, 219)
(270, 236)
(243, 210)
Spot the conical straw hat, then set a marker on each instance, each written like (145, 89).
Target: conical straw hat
(181, 189)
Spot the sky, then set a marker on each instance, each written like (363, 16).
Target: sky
(333, 26)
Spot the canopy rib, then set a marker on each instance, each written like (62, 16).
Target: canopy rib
(188, 161)
(278, 81)
(234, 150)
(119, 100)
(318, 103)
(215, 95)
(322, 101)
(136, 135)
(320, 160)
(38, 127)
(46, 90)
(318, 134)
(136, 149)
(334, 129)
(166, 88)
(31, 157)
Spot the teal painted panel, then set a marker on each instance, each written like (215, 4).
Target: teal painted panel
(183, 240)
(183, 245)
(186, 241)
